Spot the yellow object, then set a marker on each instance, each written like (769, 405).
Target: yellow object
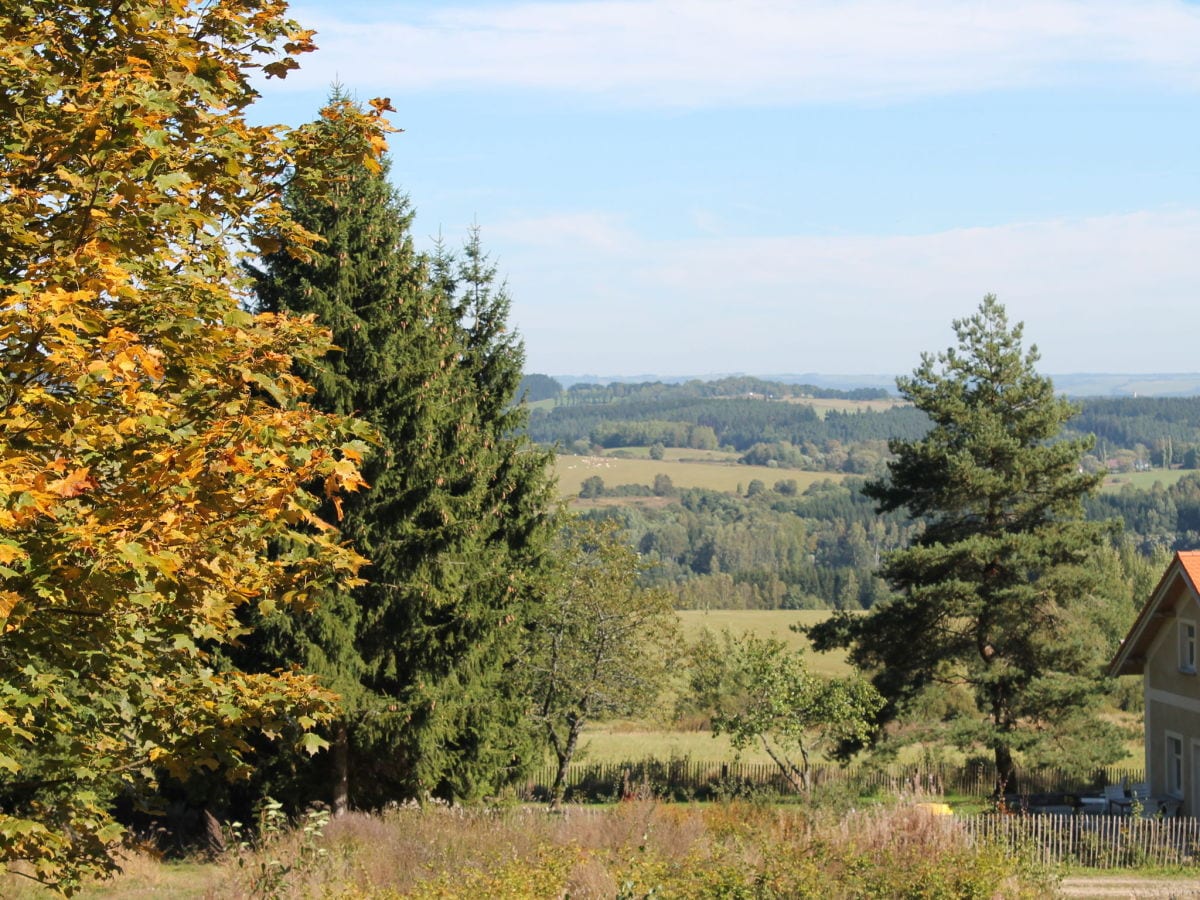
(936, 809)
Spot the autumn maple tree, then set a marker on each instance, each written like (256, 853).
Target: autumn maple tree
(159, 467)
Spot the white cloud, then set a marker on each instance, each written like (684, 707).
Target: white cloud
(592, 232)
(700, 52)
(1111, 293)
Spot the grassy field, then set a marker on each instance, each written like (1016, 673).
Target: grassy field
(617, 741)
(822, 405)
(773, 623)
(716, 476)
(1145, 480)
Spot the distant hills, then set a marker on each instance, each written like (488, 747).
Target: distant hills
(1076, 384)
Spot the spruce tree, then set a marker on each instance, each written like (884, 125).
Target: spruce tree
(1006, 591)
(448, 639)
(452, 522)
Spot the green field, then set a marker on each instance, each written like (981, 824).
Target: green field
(823, 405)
(617, 741)
(1145, 480)
(716, 476)
(774, 623)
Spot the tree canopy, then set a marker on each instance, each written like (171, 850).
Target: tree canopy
(760, 693)
(154, 441)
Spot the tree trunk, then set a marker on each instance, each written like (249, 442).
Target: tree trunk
(341, 769)
(564, 761)
(1006, 772)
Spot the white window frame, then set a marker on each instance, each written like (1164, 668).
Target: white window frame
(1173, 747)
(1187, 646)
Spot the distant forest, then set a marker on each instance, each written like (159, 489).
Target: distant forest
(774, 546)
(767, 421)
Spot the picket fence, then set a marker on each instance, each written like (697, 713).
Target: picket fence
(1101, 842)
(686, 778)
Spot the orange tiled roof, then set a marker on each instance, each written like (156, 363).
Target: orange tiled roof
(1191, 564)
(1130, 657)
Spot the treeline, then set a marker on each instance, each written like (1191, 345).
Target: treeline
(775, 547)
(731, 386)
(1166, 430)
(770, 548)
(1161, 518)
(736, 423)
(762, 421)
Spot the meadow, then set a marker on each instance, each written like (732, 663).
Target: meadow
(658, 736)
(772, 623)
(692, 471)
(1144, 481)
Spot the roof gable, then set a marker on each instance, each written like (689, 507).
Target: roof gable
(1131, 657)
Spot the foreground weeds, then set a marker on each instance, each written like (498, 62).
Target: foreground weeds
(649, 849)
(633, 851)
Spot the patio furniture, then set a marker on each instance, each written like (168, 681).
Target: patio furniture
(1168, 806)
(1118, 800)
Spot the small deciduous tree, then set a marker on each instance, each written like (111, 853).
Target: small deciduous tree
(598, 644)
(759, 692)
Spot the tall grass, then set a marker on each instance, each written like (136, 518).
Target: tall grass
(637, 849)
(642, 849)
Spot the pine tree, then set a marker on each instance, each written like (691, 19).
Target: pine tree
(457, 503)
(1007, 590)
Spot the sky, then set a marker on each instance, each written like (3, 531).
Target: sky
(690, 187)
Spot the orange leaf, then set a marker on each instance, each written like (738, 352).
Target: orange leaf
(73, 485)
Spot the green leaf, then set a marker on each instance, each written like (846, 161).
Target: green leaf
(313, 743)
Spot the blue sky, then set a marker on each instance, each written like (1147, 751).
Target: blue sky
(703, 186)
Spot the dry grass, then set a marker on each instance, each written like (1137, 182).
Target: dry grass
(824, 405)
(639, 848)
(142, 875)
(713, 475)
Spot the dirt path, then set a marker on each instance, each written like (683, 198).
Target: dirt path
(1131, 887)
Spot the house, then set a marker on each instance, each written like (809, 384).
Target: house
(1161, 647)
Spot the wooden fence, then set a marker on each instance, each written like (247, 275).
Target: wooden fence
(685, 779)
(1102, 842)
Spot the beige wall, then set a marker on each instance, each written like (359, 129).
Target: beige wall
(1173, 699)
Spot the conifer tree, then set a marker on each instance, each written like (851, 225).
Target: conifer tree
(1008, 590)
(457, 503)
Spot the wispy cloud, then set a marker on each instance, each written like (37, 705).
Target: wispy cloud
(700, 52)
(1103, 293)
(577, 232)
